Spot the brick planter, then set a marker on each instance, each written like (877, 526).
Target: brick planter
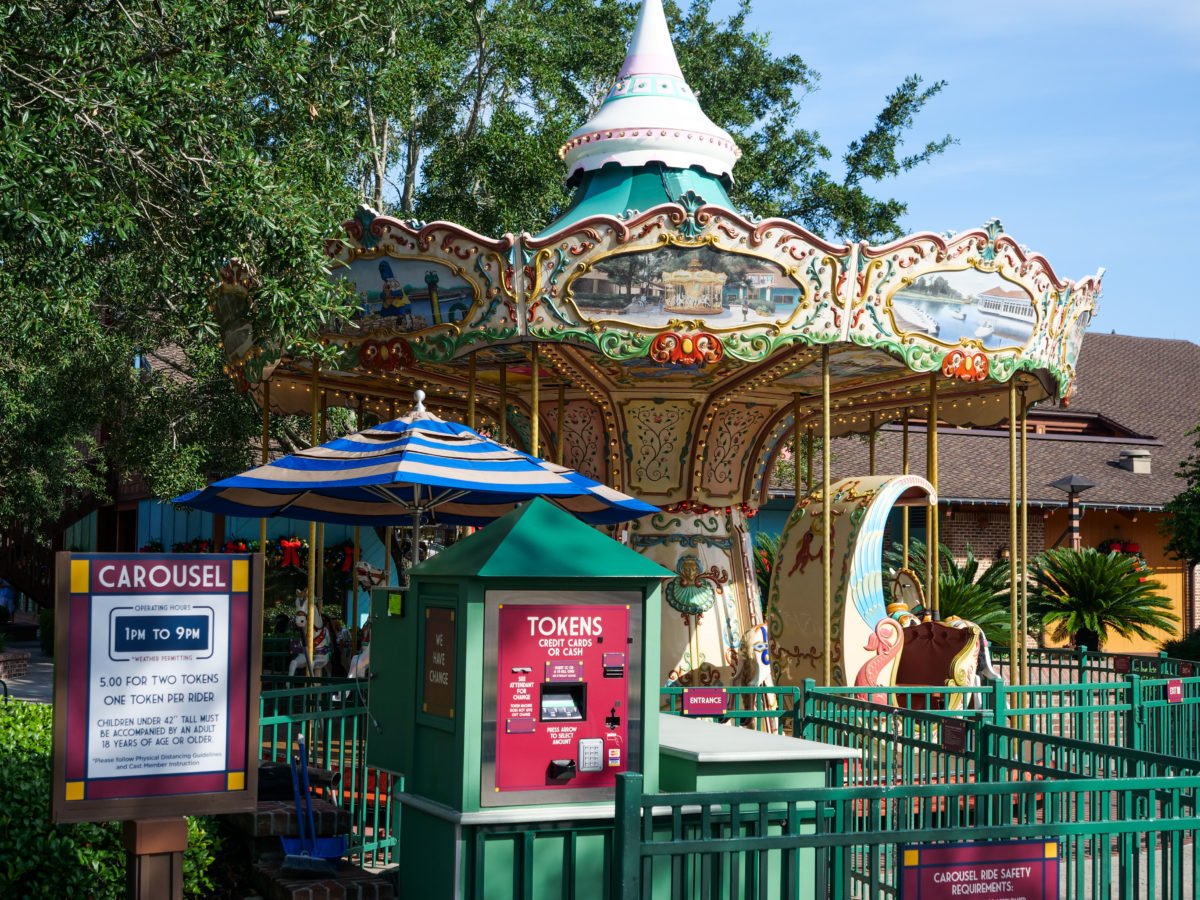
(14, 664)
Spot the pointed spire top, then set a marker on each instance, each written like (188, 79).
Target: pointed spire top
(651, 51)
(651, 114)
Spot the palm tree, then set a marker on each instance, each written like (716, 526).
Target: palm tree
(962, 590)
(1083, 594)
(766, 548)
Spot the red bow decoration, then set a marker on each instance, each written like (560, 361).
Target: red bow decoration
(347, 558)
(291, 552)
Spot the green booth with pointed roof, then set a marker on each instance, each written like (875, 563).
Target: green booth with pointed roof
(513, 680)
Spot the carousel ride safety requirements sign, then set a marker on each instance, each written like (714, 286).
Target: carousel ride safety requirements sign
(156, 691)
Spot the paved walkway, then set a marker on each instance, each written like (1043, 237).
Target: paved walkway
(38, 684)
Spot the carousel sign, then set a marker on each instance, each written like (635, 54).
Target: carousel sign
(156, 703)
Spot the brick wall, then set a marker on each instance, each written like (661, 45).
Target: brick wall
(986, 529)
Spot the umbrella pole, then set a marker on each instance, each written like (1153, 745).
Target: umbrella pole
(415, 555)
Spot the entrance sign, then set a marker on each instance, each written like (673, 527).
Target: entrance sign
(981, 870)
(156, 689)
(703, 701)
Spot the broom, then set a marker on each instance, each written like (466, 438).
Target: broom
(308, 856)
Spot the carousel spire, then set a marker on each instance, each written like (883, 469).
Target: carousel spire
(651, 114)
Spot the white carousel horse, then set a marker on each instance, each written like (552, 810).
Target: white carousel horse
(321, 642)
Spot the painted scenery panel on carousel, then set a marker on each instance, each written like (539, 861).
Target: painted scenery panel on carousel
(653, 289)
(406, 295)
(844, 365)
(965, 305)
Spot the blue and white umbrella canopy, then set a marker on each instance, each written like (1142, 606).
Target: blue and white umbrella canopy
(399, 472)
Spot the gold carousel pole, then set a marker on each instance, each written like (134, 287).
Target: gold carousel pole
(808, 459)
(534, 401)
(321, 525)
(558, 434)
(266, 457)
(1024, 546)
(904, 511)
(471, 392)
(358, 426)
(933, 553)
(503, 403)
(796, 447)
(1014, 661)
(826, 500)
(871, 444)
(314, 437)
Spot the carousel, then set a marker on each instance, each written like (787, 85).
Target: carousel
(621, 341)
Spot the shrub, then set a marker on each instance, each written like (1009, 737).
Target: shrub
(1187, 647)
(83, 860)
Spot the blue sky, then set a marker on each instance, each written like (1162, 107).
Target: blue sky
(1078, 124)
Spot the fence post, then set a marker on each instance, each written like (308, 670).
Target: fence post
(805, 704)
(999, 710)
(982, 752)
(1133, 725)
(627, 837)
(1081, 664)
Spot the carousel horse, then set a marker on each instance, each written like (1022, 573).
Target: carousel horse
(754, 667)
(321, 642)
(368, 575)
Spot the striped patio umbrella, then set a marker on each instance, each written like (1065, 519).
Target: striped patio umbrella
(399, 472)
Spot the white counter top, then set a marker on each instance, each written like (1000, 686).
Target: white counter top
(707, 742)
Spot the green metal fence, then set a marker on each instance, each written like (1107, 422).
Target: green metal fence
(764, 708)
(1057, 665)
(1129, 839)
(1135, 712)
(331, 714)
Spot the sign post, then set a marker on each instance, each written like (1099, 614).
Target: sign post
(156, 698)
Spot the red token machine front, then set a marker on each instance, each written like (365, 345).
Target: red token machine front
(557, 719)
(511, 683)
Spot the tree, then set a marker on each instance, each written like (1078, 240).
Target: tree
(963, 591)
(148, 144)
(1182, 524)
(1084, 594)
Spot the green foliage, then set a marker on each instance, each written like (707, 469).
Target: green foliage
(515, 77)
(1187, 647)
(766, 549)
(963, 591)
(147, 144)
(1085, 594)
(1182, 522)
(84, 860)
(144, 147)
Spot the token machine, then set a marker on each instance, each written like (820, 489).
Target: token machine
(511, 683)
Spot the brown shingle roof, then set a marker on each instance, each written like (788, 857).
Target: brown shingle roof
(1146, 385)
